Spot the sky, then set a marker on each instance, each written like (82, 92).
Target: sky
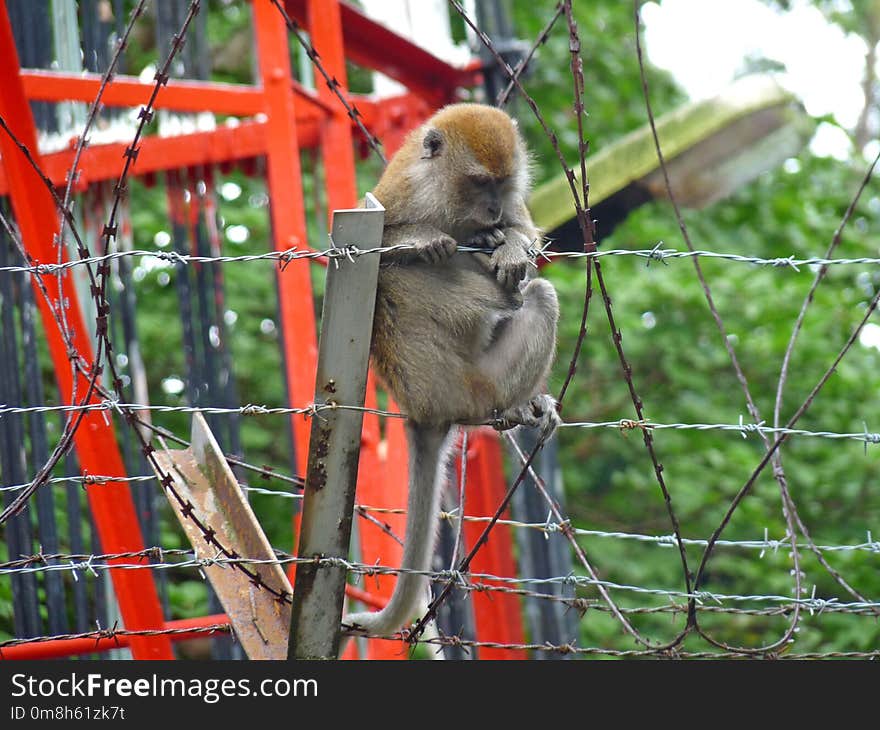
(704, 43)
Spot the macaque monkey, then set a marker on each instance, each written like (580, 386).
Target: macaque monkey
(458, 337)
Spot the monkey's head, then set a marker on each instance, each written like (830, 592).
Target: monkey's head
(461, 168)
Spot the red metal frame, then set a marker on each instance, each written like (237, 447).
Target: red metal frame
(286, 119)
(288, 215)
(390, 119)
(370, 44)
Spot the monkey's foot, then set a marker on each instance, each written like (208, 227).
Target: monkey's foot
(489, 238)
(437, 249)
(539, 412)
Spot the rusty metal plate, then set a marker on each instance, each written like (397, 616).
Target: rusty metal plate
(202, 477)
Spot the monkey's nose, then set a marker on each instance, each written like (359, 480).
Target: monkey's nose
(494, 211)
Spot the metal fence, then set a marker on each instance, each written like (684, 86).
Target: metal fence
(98, 394)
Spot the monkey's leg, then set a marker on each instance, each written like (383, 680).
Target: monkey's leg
(539, 412)
(520, 351)
(428, 446)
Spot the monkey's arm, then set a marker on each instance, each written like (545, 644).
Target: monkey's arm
(431, 244)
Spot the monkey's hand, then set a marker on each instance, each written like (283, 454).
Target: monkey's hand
(437, 249)
(488, 238)
(508, 263)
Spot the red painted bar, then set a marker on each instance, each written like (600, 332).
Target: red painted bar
(498, 616)
(60, 648)
(288, 215)
(182, 95)
(390, 118)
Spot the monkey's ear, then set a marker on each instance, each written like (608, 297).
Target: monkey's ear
(433, 143)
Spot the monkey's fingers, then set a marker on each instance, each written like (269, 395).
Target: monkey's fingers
(510, 275)
(437, 249)
(490, 238)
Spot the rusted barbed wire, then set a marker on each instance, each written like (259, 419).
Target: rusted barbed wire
(763, 545)
(789, 509)
(332, 82)
(441, 641)
(87, 564)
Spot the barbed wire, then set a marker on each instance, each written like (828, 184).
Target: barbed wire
(662, 255)
(115, 632)
(88, 564)
(472, 582)
(621, 424)
(457, 641)
(565, 649)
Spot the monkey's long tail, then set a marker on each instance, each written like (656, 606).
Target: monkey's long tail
(427, 449)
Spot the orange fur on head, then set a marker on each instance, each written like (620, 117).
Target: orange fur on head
(488, 132)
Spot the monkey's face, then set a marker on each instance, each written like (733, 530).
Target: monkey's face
(466, 167)
(483, 198)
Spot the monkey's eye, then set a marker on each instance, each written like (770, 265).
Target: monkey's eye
(480, 181)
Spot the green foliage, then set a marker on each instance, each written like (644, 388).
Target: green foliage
(683, 374)
(613, 91)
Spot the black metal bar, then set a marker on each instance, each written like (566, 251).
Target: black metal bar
(455, 617)
(18, 533)
(227, 393)
(100, 581)
(82, 616)
(184, 291)
(47, 530)
(206, 318)
(209, 390)
(544, 555)
(32, 28)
